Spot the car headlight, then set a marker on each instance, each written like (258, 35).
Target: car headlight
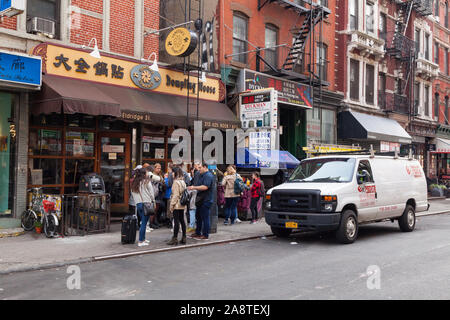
(328, 203)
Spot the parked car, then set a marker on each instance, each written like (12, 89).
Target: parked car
(339, 193)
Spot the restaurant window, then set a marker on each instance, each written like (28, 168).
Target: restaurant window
(436, 53)
(383, 26)
(328, 127)
(240, 34)
(370, 18)
(370, 83)
(322, 62)
(353, 14)
(43, 17)
(60, 150)
(313, 128)
(271, 55)
(8, 131)
(354, 79)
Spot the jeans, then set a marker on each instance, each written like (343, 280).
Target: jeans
(144, 220)
(192, 218)
(254, 208)
(202, 218)
(178, 218)
(231, 208)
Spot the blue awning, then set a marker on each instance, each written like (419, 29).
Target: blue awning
(248, 158)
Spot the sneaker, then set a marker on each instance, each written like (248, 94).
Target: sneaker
(202, 238)
(148, 229)
(237, 220)
(194, 235)
(147, 241)
(225, 222)
(141, 244)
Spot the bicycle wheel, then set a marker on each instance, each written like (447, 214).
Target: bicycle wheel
(28, 219)
(49, 226)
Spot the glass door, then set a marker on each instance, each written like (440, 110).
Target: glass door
(114, 167)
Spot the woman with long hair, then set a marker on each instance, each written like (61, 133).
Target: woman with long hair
(231, 198)
(142, 192)
(176, 208)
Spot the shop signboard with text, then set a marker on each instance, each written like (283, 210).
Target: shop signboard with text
(20, 69)
(78, 64)
(289, 92)
(259, 109)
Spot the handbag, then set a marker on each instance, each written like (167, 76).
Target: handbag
(199, 199)
(149, 207)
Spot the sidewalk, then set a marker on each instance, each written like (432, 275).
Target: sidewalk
(33, 251)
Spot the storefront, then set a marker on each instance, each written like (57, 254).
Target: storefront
(441, 154)
(293, 101)
(19, 75)
(383, 134)
(422, 134)
(107, 115)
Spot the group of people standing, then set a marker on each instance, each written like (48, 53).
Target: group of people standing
(168, 193)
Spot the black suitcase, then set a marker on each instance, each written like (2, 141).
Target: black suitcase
(129, 229)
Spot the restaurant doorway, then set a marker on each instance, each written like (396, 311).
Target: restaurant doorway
(114, 167)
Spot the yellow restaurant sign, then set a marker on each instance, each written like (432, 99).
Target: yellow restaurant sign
(78, 64)
(329, 148)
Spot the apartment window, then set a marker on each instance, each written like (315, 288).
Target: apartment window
(399, 86)
(382, 90)
(43, 17)
(436, 106)
(354, 79)
(323, 3)
(416, 97)
(370, 83)
(321, 57)
(446, 61)
(271, 55)
(427, 46)
(436, 8)
(383, 26)
(240, 34)
(417, 40)
(446, 15)
(427, 98)
(353, 14)
(436, 53)
(370, 21)
(446, 110)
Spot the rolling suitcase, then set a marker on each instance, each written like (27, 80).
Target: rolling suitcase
(129, 229)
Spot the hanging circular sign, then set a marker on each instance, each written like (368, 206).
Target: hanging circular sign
(181, 42)
(144, 77)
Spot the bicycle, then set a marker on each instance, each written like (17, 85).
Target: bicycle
(40, 210)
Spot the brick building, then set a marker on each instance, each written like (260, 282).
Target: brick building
(388, 71)
(298, 52)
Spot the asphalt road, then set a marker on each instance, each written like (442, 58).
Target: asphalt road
(308, 266)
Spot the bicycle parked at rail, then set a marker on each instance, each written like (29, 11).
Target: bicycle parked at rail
(42, 210)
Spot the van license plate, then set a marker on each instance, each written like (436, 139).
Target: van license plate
(292, 225)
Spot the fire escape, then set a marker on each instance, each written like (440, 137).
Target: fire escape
(311, 16)
(403, 49)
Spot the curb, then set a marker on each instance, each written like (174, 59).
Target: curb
(432, 213)
(123, 255)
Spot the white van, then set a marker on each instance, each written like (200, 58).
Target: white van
(338, 193)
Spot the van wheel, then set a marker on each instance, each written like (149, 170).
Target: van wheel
(348, 229)
(407, 221)
(281, 232)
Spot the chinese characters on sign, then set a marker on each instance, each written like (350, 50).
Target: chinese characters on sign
(101, 68)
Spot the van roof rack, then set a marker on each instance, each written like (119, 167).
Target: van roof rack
(358, 152)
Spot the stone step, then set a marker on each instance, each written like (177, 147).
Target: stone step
(9, 223)
(11, 232)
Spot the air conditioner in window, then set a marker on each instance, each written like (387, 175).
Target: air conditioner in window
(42, 26)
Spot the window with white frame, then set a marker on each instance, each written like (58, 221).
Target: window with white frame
(354, 79)
(353, 9)
(370, 18)
(270, 54)
(417, 40)
(427, 46)
(240, 34)
(370, 84)
(427, 100)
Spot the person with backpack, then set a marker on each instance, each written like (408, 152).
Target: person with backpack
(234, 186)
(176, 207)
(257, 191)
(142, 192)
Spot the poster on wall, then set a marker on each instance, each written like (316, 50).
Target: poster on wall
(259, 109)
(259, 140)
(159, 153)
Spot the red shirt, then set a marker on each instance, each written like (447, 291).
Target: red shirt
(256, 189)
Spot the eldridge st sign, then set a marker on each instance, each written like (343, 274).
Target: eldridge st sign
(78, 64)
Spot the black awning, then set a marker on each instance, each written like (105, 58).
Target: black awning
(360, 126)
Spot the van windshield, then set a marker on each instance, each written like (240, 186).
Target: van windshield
(324, 170)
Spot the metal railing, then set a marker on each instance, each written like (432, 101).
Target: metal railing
(399, 45)
(393, 102)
